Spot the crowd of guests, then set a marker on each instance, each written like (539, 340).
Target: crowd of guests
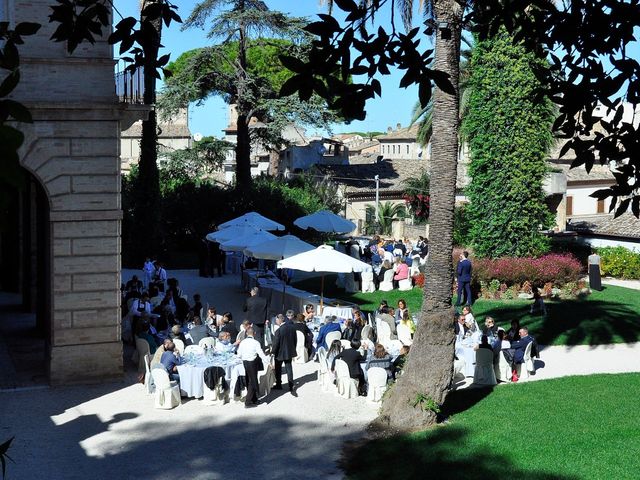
(511, 344)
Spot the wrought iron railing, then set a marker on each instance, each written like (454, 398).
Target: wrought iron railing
(130, 86)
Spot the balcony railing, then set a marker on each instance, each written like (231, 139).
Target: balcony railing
(130, 86)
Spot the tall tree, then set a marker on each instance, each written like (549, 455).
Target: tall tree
(240, 21)
(508, 129)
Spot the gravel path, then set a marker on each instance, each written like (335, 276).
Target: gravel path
(113, 432)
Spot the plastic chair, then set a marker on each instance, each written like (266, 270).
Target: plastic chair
(406, 284)
(502, 369)
(149, 386)
(387, 281)
(484, 374)
(367, 333)
(529, 367)
(331, 336)
(167, 391)
(194, 350)
(208, 342)
(301, 351)
(350, 283)
(179, 345)
(347, 386)
(345, 343)
(217, 396)
(384, 331)
(142, 347)
(367, 282)
(323, 369)
(266, 379)
(458, 367)
(404, 334)
(377, 380)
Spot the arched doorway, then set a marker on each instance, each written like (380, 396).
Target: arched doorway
(25, 285)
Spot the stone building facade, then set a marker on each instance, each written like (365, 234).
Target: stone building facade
(72, 151)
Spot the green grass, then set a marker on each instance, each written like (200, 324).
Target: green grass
(570, 428)
(609, 316)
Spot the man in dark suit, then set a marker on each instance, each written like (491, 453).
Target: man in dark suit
(353, 358)
(284, 350)
(256, 308)
(519, 346)
(464, 278)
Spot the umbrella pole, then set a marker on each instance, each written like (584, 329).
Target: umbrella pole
(321, 293)
(284, 287)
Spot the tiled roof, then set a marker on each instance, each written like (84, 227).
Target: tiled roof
(166, 131)
(579, 174)
(626, 225)
(410, 133)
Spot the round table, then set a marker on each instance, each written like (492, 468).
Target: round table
(192, 373)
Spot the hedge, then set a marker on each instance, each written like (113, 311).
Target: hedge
(619, 262)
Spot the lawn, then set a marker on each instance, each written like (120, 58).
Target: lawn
(570, 428)
(609, 316)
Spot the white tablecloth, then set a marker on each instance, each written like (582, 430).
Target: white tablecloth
(340, 312)
(192, 376)
(465, 351)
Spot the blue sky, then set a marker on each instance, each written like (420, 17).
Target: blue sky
(393, 107)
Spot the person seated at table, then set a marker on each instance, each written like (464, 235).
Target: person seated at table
(143, 333)
(183, 311)
(353, 328)
(154, 297)
(170, 360)
(168, 304)
(228, 325)
(301, 326)
(386, 316)
(199, 331)
(398, 364)
(224, 343)
(400, 246)
(402, 272)
(380, 358)
(378, 279)
(242, 334)
(133, 288)
(176, 332)
(330, 325)
(213, 319)
(309, 313)
(251, 264)
(469, 319)
(174, 285)
(289, 316)
(484, 343)
(197, 305)
(334, 349)
(502, 344)
(408, 322)
(519, 346)
(460, 328)
(353, 358)
(490, 329)
(382, 307)
(139, 307)
(513, 334)
(155, 361)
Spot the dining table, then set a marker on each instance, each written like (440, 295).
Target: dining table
(465, 349)
(191, 370)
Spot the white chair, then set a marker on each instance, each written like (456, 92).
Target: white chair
(387, 281)
(179, 345)
(377, 380)
(458, 367)
(208, 342)
(266, 379)
(217, 396)
(142, 349)
(301, 350)
(406, 284)
(331, 336)
(367, 282)
(194, 350)
(384, 331)
(404, 334)
(354, 251)
(484, 374)
(397, 252)
(415, 266)
(167, 391)
(323, 370)
(502, 369)
(350, 283)
(367, 333)
(347, 386)
(149, 386)
(529, 367)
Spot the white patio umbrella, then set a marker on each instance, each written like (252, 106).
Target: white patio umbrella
(231, 232)
(253, 219)
(237, 244)
(325, 221)
(324, 259)
(278, 248)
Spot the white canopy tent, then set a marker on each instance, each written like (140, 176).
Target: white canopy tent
(324, 259)
(325, 221)
(252, 219)
(278, 248)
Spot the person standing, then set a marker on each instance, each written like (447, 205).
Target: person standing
(250, 352)
(256, 308)
(464, 278)
(284, 351)
(593, 261)
(148, 270)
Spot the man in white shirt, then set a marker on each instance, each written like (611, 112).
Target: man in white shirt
(249, 350)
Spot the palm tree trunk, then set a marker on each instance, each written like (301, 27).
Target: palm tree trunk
(429, 366)
(147, 186)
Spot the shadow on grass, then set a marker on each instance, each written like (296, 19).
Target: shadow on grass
(458, 401)
(441, 453)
